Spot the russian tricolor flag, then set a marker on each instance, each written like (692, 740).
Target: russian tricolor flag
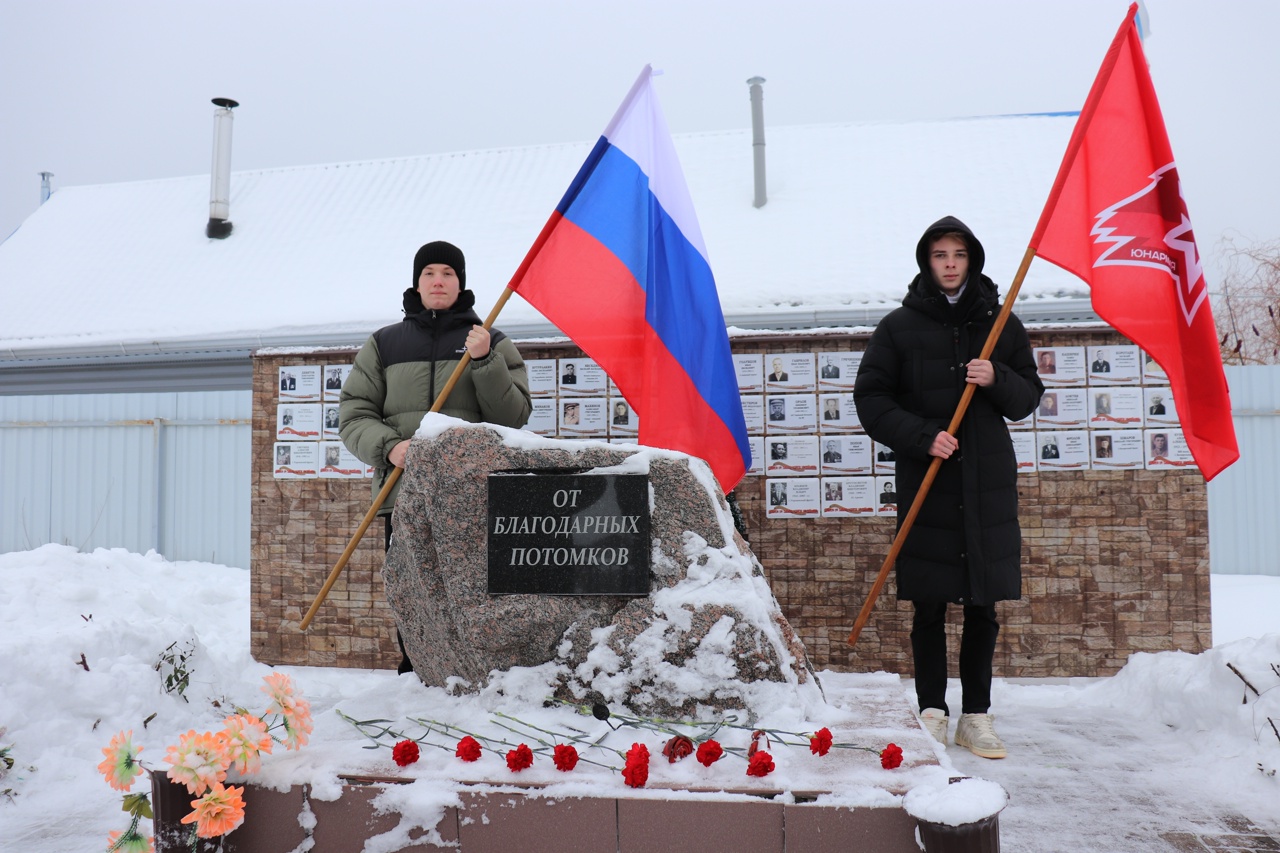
(621, 268)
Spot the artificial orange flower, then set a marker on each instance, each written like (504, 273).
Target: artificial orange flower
(280, 688)
(199, 760)
(121, 766)
(297, 725)
(294, 711)
(217, 812)
(247, 738)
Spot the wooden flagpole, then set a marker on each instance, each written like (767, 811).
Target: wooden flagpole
(1003, 317)
(394, 476)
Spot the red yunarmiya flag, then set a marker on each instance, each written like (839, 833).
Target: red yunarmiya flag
(1117, 219)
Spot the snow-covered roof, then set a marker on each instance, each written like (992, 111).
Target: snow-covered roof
(322, 253)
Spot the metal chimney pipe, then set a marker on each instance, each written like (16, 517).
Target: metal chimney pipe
(757, 138)
(219, 226)
(46, 186)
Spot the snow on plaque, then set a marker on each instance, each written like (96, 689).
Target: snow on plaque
(338, 463)
(543, 418)
(1060, 366)
(750, 372)
(1117, 365)
(329, 430)
(334, 376)
(847, 497)
(296, 460)
(846, 454)
(794, 497)
(623, 419)
(1063, 450)
(886, 461)
(791, 455)
(839, 414)
(582, 377)
(1116, 448)
(1063, 408)
(791, 414)
(544, 377)
(753, 413)
(1167, 449)
(886, 496)
(837, 370)
(1160, 407)
(790, 372)
(585, 417)
(1113, 406)
(756, 443)
(300, 383)
(298, 422)
(1024, 450)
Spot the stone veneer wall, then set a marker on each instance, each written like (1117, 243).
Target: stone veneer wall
(1113, 561)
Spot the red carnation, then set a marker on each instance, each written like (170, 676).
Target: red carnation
(761, 764)
(468, 749)
(636, 771)
(405, 753)
(677, 748)
(519, 758)
(820, 743)
(756, 737)
(565, 757)
(891, 757)
(709, 752)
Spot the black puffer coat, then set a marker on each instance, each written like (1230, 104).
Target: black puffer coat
(965, 545)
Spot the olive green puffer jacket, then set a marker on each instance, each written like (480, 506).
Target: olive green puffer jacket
(402, 367)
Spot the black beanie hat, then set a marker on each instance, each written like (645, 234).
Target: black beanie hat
(440, 252)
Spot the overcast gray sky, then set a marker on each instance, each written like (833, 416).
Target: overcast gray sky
(118, 90)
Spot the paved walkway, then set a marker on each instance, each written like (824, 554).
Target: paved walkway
(1087, 780)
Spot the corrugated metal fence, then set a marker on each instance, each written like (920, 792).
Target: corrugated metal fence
(167, 471)
(1244, 500)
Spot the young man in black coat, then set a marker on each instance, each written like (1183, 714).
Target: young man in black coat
(965, 546)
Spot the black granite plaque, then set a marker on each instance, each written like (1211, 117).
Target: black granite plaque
(568, 534)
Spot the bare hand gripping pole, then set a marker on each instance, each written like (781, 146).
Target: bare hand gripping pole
(394, 476)
(1003, 317)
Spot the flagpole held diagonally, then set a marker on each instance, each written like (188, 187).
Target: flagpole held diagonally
(1001, 319)
(394, 476)
(598, 287)
(1120, 144)
(1117, 219)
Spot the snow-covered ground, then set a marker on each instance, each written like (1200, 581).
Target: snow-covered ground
(83, 634)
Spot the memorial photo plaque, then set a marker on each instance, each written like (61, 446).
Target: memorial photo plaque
(568, 534)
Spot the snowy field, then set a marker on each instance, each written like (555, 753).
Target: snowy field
(83, 634)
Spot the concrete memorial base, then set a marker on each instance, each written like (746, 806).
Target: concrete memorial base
(849, 803)
(502, 820)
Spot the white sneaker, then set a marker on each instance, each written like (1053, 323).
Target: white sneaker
(935, 722)
(975, 732)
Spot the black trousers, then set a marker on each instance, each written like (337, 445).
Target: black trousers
(405, 664)
(977, 648)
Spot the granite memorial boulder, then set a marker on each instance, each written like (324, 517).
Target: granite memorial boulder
(707, 635)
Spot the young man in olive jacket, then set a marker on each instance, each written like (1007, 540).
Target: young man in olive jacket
(965, 546)
(403, 367)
